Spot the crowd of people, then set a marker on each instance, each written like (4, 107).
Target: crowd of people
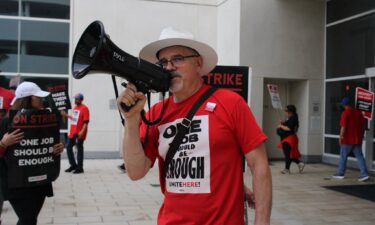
(204, 173)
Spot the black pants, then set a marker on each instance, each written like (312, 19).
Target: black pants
(288, 160)
(27, 209)
(69, 150)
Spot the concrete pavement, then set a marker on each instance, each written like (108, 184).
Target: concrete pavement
(103, 195)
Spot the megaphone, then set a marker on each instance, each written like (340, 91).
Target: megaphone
(96, 53)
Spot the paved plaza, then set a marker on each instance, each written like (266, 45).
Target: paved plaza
(103, 195)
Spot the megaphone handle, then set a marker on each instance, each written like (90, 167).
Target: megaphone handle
(124, 107)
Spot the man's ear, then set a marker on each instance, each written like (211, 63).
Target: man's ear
(199, 62)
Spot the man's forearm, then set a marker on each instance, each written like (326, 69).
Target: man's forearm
(262, 185)
(342, 131)
(83, 130)
(133, 153)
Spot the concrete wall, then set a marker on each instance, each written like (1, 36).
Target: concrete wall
(131, 24)
(285, 39)
(228, 33)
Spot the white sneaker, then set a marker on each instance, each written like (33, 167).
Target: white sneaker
(363, 179)
(285, 171)
(338, 177)
(301, 166)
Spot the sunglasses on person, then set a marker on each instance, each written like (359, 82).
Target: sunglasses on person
(176, 61)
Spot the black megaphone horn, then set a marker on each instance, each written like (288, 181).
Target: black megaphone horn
(96, 53)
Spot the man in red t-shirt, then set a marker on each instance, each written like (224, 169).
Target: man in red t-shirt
(204, 181)
(352, 129)
(6, 97)
(77, 134)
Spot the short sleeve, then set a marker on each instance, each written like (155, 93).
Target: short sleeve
(86, 114)
(149, 140)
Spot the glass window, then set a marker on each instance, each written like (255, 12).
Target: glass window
(9, 7)
(8, 45)
(59, 9)
(350, 47)
(335, 91)
(44, 47)
(43, 83)
(340, 9)
(9, 82)
(331, 145)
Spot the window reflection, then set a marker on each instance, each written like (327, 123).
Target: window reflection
(44, 47)
(331, 145)
(340, 9)
(59, 9)
(8, 45)
(9, 7)
(350, 47)
(335, 91)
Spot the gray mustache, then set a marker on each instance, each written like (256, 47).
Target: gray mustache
(175, 74)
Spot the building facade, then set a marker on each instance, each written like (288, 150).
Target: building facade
(316, 51)
(349, 63)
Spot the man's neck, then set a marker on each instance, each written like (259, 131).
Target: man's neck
(179, 97)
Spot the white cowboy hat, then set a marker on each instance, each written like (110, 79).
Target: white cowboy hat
(171, 37)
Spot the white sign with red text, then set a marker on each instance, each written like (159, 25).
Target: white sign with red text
(364, 101)
(275, 98)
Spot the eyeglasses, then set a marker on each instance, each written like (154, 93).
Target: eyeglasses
(176, 61)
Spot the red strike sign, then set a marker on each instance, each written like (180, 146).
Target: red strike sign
(364, 101)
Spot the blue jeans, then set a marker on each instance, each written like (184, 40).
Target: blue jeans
(345, 149)
(69, 150)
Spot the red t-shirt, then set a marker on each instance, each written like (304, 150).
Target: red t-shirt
(6, 97)
(206, 182)
(354, 123)
(81, 115)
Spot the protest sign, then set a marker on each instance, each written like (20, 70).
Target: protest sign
(32, 162)
(233, 78)
(275, 98)
(364, 101)
(60, 97)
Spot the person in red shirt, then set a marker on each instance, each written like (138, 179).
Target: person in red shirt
(77, 133)
(6, 97)
(204, 181)
(352, 130)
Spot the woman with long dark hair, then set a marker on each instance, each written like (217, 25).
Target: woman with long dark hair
(289, 141)
(26, 201)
